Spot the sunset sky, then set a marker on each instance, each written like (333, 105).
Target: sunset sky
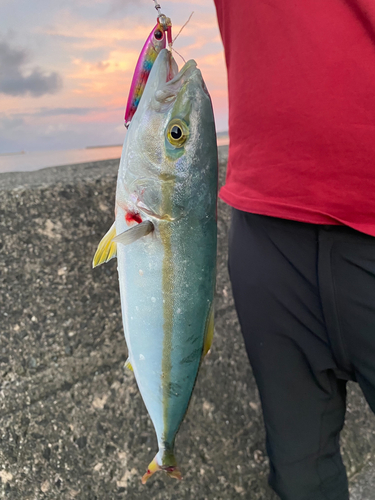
(66, 67)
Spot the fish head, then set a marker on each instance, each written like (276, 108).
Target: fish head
(175, 110)
(172, 136)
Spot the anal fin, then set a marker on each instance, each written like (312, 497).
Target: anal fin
(128, 365)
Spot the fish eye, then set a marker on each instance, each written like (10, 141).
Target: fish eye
(177, 133)
(158, 35)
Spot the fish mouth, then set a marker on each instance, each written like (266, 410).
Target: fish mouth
(185, 72)
(175, 79)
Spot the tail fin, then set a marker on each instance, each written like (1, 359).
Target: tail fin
(169, 466)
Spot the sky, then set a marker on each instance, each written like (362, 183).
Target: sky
(66, 67)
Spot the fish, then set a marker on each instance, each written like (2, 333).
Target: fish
(165, 240)
(155, 42)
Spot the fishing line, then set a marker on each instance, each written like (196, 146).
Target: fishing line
(174, 50)
(158, 8)
(182, 29)
(164, 20)
(178, 35)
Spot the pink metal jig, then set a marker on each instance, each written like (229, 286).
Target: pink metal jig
(154, 44)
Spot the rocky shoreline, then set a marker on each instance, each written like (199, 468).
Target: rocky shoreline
(72, 422)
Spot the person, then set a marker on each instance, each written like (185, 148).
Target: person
(301, 181)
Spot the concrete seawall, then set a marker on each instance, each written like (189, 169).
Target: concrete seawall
(71, 419)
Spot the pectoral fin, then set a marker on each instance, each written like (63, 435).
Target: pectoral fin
(209, 335)
(134, 233)
(107, 249)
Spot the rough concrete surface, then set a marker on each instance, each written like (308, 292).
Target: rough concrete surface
(72, 423)
(363, 484)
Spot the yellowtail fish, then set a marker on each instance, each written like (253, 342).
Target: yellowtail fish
(164, 237)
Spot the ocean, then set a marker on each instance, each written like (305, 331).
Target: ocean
(27, 162)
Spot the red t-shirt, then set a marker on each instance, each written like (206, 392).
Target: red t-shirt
(301, 78)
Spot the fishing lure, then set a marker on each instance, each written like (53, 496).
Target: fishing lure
(153, 46)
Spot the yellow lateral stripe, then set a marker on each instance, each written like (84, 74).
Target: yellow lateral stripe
(168, 289)
(107, 249)
(168, 282)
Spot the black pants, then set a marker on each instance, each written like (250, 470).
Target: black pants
(305, 298)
